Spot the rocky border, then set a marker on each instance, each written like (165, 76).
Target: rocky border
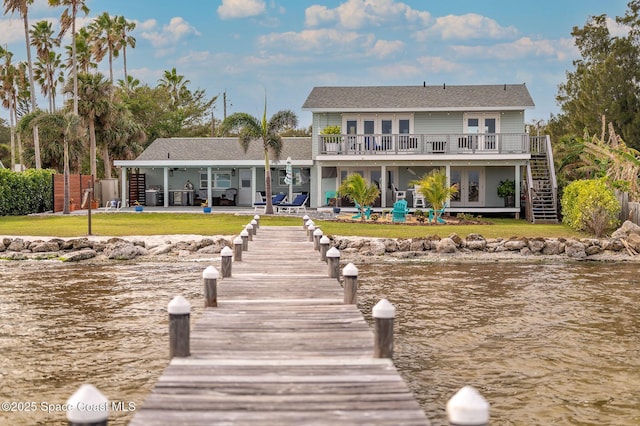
(624, 244)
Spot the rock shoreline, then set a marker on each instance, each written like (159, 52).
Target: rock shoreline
(623, 245)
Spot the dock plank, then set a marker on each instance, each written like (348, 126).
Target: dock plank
(280, 348)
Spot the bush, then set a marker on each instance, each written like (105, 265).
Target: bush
(27, 192)
(590, 205)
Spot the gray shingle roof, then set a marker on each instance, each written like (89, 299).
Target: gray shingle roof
(419, 98)
(193, 149)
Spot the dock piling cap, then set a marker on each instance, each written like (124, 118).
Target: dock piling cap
(179, 306)
(226, 251)
(211, 273)
(87, 405)
(324, 240)
(384, 310)
(333, 252)
(237, 240)
(254, 222)
(317, 232)
(468, 407)
(244, 233)
(350, 270)
(305, 217)
(256, 217)
(310, 223)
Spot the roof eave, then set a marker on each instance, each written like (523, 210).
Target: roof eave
(435, 109)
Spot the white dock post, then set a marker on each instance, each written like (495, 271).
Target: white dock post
(257, 219)
(87, 407)
(225, 263)
(324, 246)
(384, 314)
(245, 239)
(350, 274)
(179, 314)
(468, 408)
(317, 234)
(333, 260)
(308, 224)
(310, 230)
(237, 249)
(305, 218)
(251, 231)
(210, 277)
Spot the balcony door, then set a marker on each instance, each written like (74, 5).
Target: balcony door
(482, 130)
(471, 186)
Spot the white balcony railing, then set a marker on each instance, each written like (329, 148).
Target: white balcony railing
(403, 144)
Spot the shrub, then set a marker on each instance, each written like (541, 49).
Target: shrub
(590, 205)
(27, 192)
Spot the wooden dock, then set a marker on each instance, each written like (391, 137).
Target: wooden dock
(280, 348)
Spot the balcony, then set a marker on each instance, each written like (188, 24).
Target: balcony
(427, 144)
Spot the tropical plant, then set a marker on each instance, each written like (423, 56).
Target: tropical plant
(175, 84)
(83, 56)
(48, 61)
(123, 27)
(8, 97)
(590, 205)
(506, 188)
(105, 39)
(68, 21)
(434, 188)
(357, 190)
(22, 6)
(250, 128)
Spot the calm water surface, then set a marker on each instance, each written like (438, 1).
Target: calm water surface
(544, 343)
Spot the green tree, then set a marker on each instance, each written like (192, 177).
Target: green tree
(83, 56)
(175, 84)
(434, 188)
(250, 128)
(105, 38)
(68, 22)
(359, 191)
(123, 28)
(48, 61)
(590, 205)
(22, 7)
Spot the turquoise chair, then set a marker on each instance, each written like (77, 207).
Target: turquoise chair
(400, 211)
(437, 214)
(367, 213)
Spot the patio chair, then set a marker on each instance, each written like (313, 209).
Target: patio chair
(400, 211)
(113, 205)
(367, 213)
(437, 214)
(275, 200)
(399, 195)
(298, 203)
(418, 198)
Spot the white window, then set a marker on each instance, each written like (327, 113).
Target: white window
(219, 180)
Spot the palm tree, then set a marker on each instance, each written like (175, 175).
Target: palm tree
(123, 27)
(434, 188)
(83, 56)
(68, 127)
(48, 61)
(22, 6)
(129, 84)
(105, 37)
(7, 93)
(68, 21)
(251, 128)
(94, 100)
(175, 85)
(359, 191)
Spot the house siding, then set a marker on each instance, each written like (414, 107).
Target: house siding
(438, 122)
(512, 122)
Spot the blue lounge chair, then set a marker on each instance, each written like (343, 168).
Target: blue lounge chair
(367, 213)
(275, 200)
(298, 203)
(400, 211)
(437, 214)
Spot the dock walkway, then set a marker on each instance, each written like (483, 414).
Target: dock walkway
(280, 348)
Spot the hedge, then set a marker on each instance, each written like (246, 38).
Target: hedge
(27, 192)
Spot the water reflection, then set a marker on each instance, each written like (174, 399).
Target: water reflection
(544, 343)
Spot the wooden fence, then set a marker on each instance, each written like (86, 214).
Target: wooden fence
(630, 209)
(77, 185)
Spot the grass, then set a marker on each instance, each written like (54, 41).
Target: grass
(124, 224)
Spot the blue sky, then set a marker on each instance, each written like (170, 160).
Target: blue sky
(286, 47)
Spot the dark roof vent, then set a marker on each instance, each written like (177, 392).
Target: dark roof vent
(505, 87)
(424, 84)
(444, 86)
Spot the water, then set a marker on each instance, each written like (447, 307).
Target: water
(554, 343)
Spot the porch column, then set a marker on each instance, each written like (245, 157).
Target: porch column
(165, 186)
(254, 187)
(209, 194)
(319, 199)
(383, 186)
(123, 187)
(517, 191)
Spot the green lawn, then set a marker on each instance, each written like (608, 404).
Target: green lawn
(124, 224)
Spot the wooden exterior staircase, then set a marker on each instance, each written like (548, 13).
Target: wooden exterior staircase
(542, 200)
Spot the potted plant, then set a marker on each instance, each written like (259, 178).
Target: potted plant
(95, 204)
(205, 207)
(137, 206)
(72, 204)
(507, 190)
(331, 143)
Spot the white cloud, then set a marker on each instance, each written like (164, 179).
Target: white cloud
(397, 72)
(463, 27)
(316, 40)
(523, 47)
(437, 64)
(384, 48)
(230, 9)
(356, 14)
(12, 30)
(176, 30)
(147, 25)
(615, 29)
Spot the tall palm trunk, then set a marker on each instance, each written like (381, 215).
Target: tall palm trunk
(66, 177)
(36, 136)
(267, 183)
(106, 161)
(92, 147)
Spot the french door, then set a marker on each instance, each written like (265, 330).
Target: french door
(482, 131)
(471, 186)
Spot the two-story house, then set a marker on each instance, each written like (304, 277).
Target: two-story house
(393, 135)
